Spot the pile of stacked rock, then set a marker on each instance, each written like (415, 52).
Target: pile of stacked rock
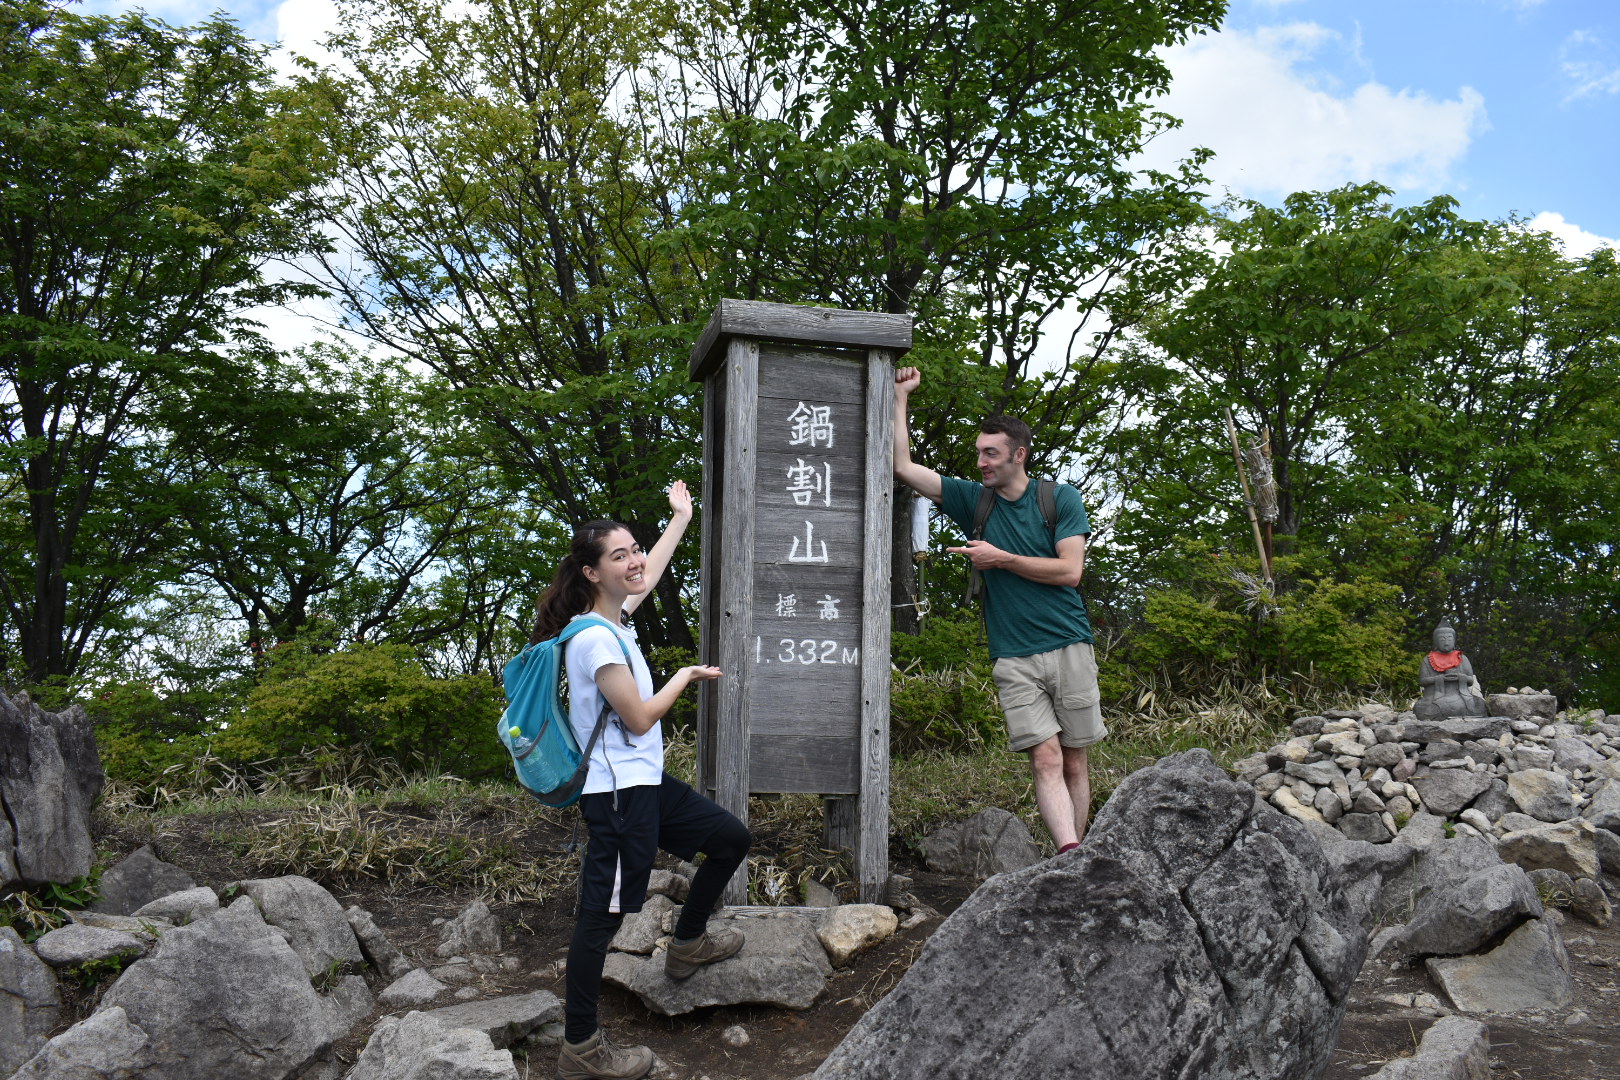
(1540, 785)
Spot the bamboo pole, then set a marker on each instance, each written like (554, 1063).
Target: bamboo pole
(1248, 499)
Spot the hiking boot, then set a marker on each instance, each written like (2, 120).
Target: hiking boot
(600, 1058)
(712, 947)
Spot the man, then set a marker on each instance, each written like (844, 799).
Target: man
(1039, 635)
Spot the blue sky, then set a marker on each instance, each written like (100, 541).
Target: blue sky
(1511, 106)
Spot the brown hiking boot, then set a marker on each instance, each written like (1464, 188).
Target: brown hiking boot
(600, 1058)
(712, 947)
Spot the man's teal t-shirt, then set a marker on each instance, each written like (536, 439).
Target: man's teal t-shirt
(1023, 617)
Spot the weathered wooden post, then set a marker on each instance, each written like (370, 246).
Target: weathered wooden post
(798, 415)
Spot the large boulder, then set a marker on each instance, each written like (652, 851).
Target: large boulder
(1569, 846)
(1604, 809)
(1192, 908)
(1471, 916)
(227, 996)
(419, 1047)
(138, 879)
(1438, 865)
(50, 776)
(1522, 706)
(316, 927)
(1542, 793)
(781, 963)
(379, 952)
(1530, 970)
(990, 842)
(29, 1003)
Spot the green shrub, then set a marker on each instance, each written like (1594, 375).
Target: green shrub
(372, 697)
(141, 732)
(941, 694)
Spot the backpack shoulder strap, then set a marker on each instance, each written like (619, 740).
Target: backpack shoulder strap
(981, 513)
(1046, 497)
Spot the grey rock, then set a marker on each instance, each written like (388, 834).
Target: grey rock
(455, 972)
(1556, 886)
(1192, 908)
(138, 879)
(1440, 750)
(1471, 916)
(1530, 970)
(990, 842)
(1604, 809)
(818, 895)
(104, 1047)
(227, 996)
(1607, 846)
(1571, 753)
(1383, 755)
(1366, 827)
(1542, 794)
(1315, 773)
(1590, 904)
(1328, 805)
(72, 945)
(1568, 846)
(1268, 784)
(508, 1020)
(851, 929)
(1496, 801)
(670, 884)
(29, 1003)
(1533, 757)
(1439, 865)
(179, 908)
(781, 963)
(1454, 1048)
(314, 921)
(1368, 801)
(1359, 869)
(640, 932)
(1307, 725)
(50, 776)
(1522, 706)
(1454, 729)
(414, 988)
(474, 930)
(1517, 822)
(1447, 793)
(379, 952)
(1422, 829)
(418, 1047)
(1251, 768)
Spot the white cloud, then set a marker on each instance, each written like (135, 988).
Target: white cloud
(1278, 126)
(1576, 240)
(1589, 66)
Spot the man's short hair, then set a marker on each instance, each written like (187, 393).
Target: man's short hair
(1015, 429)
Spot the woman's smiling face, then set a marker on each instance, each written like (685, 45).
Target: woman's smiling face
(621, 569)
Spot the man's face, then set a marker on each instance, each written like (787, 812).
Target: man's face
(999, 463)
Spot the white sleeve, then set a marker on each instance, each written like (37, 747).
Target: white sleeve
(598, 647)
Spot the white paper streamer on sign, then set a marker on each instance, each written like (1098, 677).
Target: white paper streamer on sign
(919, 524)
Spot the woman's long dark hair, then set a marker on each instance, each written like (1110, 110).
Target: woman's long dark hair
(571, 592)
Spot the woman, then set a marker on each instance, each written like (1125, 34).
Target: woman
(630, 805)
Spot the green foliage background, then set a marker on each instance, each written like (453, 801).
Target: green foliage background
(527, 209)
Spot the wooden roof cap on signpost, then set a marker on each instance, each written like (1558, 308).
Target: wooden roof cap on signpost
(798, 325)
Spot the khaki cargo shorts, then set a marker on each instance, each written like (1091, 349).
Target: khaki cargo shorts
(1051, 693)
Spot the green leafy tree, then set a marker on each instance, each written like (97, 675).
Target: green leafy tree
(147, 174)
(502, 188)
(963, 161)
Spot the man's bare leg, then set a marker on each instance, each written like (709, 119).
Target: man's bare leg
(1077, 779)
(1048, 763)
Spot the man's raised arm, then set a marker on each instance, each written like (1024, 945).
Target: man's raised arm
(923, 481)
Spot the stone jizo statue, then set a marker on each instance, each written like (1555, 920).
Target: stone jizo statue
(1447, 678)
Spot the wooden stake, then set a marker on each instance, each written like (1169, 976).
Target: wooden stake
(1248, 499)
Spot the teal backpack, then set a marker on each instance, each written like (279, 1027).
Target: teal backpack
(535, 728)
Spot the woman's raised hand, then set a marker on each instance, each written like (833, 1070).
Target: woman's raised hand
(680, 500)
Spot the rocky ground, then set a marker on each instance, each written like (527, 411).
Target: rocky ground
(1390, 1008)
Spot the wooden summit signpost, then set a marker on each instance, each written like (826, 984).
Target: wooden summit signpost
(798, 416)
